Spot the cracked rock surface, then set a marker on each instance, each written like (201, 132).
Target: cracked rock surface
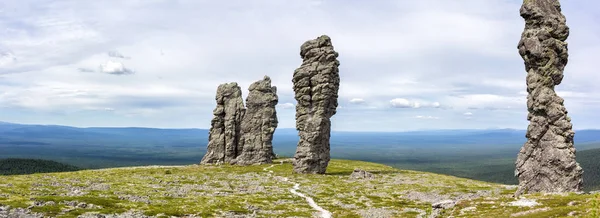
(316, 85)
(225, 130)
(546, 162)
(259, 124)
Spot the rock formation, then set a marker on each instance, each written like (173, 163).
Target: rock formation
(259, 124)
(225, 130)
(361, 174)
(546, 162)
(316, 84)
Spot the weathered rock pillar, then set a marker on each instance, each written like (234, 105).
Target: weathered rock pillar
(546, 162)
(316, 84)
(259, 124)
(225, 130)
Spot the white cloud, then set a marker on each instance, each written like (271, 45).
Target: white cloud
(116, 54)
(401, 103)
(115, 68)
(468, 114)
(85, 70)
(357, 101)
(286, 105)
(7, 58)
(488, 101)
(427, 117)
(476, 62)
(405, 103)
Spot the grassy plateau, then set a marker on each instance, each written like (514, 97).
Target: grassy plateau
(253, 191)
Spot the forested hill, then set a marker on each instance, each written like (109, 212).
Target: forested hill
(19, 166)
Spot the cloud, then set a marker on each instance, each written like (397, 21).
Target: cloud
(468, 114)
(85, 70)
(357, 101)
(401, 103)
(427, 117)
(286, 105)
(405, 103)
(474, 64)
(7, 58)
(488, 101)
(116, 54)
(115, 68)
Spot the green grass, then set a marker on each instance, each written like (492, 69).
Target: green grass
(210, 191)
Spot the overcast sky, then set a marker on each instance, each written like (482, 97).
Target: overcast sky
(405, 64)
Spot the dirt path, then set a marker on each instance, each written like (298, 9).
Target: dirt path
(294, 190)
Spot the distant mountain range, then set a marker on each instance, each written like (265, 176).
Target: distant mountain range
(285, 138)
(486, 154)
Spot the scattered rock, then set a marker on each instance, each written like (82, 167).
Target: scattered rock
(75, 191)
(316, 85)
(361, 174)
(4, 208)
(235, 214)
(445, 204)
(343, 205)
(135, 198)
(467, 210)
(524, 203)
(377, 213)
(225, 130)
(128, 214)
(41, 204)
(259, 124)
(98, 187)
(18, 212)
(546, 162)
(438, 207)
(527, 212)
(430, 197)
(421, 212)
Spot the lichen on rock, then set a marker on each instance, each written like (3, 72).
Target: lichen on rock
(546, 162)
(225, 130)
(259, 124)
(316, 85)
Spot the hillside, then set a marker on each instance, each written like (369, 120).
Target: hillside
(588, 159)
(273, 191)
(18, 166)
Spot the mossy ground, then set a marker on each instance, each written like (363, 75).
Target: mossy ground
(209, 191)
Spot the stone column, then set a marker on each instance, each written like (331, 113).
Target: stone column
(546, 162)
(259, 124)
(225, 130)
(316, 84)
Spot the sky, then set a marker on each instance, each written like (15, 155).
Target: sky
(404, 64)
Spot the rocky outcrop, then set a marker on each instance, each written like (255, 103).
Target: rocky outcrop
(546, 162)
(361, 174)
(225, 130)
(259, 124)
(316, 84)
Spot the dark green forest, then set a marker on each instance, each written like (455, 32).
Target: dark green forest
(20, 166)
(588, 159)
